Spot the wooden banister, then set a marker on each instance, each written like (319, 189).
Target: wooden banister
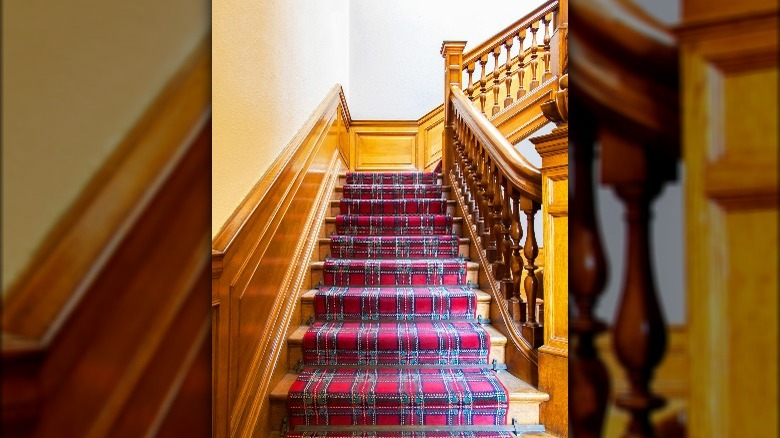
(509, 32)
(517, 169)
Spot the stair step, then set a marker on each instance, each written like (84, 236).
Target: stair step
(338, 192)
(342, 246)
(317, 273)
(392, 206)
(523, 399)
(391, 177)
(330, 227)
(368, 304)
(496, 349)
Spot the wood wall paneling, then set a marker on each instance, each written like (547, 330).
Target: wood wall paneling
(729, 57)
(265, 250)
(553, 355)
(113, 299)
(385, 145)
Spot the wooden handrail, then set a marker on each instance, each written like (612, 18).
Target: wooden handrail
(517, 169)
(486, 47)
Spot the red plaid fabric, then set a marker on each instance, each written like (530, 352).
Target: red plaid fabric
(404, 303)
(385, 247)
(401, 434)
(388, 343)
(396, 272)
(396, 191)
(425, 224)
(397, 396)
(393, 206)
(393, 178)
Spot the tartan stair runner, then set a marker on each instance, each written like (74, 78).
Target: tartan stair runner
(394, 341)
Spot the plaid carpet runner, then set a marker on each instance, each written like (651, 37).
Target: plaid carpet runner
(394, 341)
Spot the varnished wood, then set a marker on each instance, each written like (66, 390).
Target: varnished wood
(384, 145)
(265, 266)
(114, 289)
(729, 94)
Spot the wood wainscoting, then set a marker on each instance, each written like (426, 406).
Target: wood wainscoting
(260, 260)
(384, 145)
(106, 332)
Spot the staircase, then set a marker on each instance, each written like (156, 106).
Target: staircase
(396, 339)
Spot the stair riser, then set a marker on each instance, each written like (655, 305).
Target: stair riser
(472, 275)
(307, 309)
(295, 353)
(335, 208)
(339, 192)
(330, 228)
(524, 412)
(323, 250)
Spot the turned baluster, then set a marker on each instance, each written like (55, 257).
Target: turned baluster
(639, 332)
(487, 237)
(496, 79)
(483, 84)
(588, 380)
(534, 57)
(532, 331)
(508, 100)
(457, 146)
(506, 240)
(497, 231)
(480, 193)
(516, 231)
(521, 65)
(473, 188)
(470, 87)
(546, 55)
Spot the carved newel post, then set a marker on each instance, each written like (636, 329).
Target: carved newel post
(452, 51)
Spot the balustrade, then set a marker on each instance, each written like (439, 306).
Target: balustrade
(524, 61)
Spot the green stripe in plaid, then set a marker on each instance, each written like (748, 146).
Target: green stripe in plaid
(395, 191)
(388, 343)
(393, 272)
(393, 206)
(393, 396)
(391, 178)
(383, 247)
(373, 303)
(424, 224)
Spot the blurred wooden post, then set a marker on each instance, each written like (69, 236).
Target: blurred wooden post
(452, 52)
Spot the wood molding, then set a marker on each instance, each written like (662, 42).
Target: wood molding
(75, 250)
(384, 145)
(265, 249)
(114, 300)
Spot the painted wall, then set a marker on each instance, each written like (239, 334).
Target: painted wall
(274, 61)
(395, 66)
(77, 76)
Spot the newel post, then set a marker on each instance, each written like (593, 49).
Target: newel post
(452, 52)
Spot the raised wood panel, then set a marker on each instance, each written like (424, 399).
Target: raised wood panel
(715, 10)
(430, 131)
(113, 308)
(265, 251)
(730, 144)
(553, 355)
(385, 145)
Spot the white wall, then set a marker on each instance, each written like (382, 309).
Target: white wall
(274, 62)
(395, 67)
(77, 76)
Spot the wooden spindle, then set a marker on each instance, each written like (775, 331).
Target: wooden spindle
(506, 240)
(470, 86)
(534, 57)
(496, 80)
(521, 66)
(546, 54)
(497, 231)
(532, 331)
(487, 237)
(588, 379)
(640, 330)
(508, 75)
(516, 231)
(483, 84)
(480, 175)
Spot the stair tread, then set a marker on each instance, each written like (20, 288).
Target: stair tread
(308, 296)
(455, 219)
(496, 338)
(517, 389)
(325, 240)
(320, 264)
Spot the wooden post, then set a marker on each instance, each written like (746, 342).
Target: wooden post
(452, 52)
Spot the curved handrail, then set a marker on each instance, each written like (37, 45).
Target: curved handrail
(517, 169)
